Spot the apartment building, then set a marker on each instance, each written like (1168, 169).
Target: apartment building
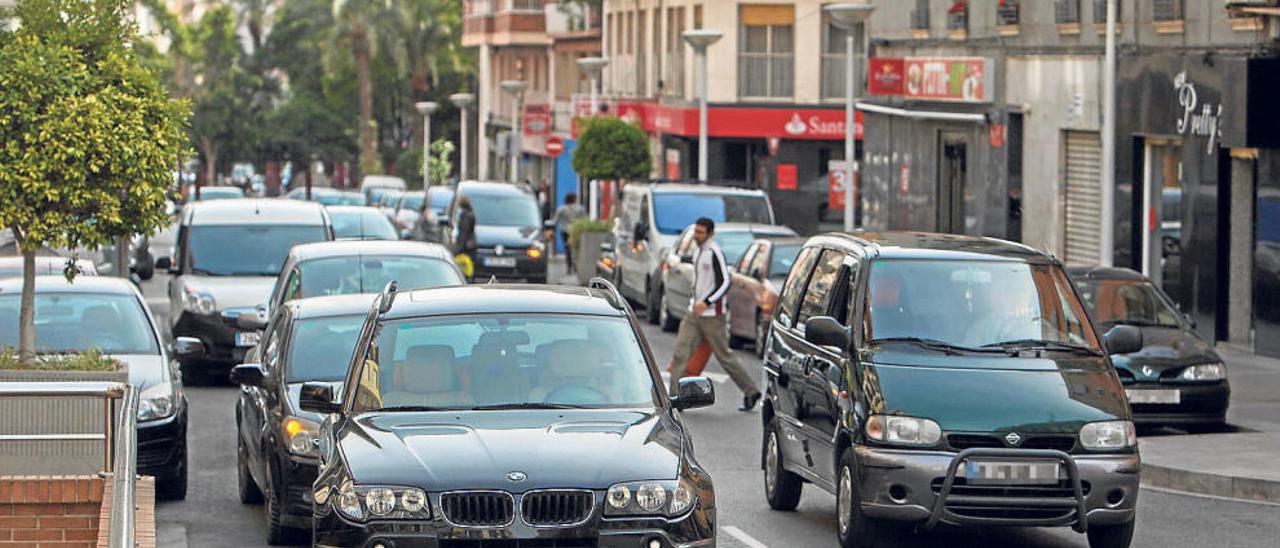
(775, 94)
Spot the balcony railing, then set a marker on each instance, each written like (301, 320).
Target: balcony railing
(1066, 12)
(1008, 13)
(1166, 10)
(525, 5)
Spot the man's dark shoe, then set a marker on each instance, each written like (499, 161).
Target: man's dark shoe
(749, 402)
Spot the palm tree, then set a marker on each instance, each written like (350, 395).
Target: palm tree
(356, 22)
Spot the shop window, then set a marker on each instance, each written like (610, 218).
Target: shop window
(766, 55)
(834, 48)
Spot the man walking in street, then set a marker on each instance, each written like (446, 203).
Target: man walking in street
(565, 216)
(464, 241)
(705, 320)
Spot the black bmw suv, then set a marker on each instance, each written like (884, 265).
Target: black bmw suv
(927, 378)
(516, 415)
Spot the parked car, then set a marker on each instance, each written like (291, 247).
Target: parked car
(651, 218)
(371, 182)
(308, 340)
(361, 223)
(11, 267)
(1177, 378)
(433, 214)
(111, 316)
(209, 193)
(926, 379)
(757, 279)
(342, 268)
(677, 272)
(508, 231)
(523, 413)
(226, 259)
(408, 213)
(329, 196)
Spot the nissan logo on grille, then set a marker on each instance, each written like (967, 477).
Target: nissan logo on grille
(1012, 438)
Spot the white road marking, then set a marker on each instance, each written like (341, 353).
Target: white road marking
(743, 537)
(719, 378)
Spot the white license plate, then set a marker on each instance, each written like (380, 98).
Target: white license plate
(247, 338)
(1011, 473)
(1168, 397)
(502, 262)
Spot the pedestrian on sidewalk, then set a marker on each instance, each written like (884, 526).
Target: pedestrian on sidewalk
(565, 216)
(464, 242)
(705, 321)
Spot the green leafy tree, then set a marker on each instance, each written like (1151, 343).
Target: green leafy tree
(87, 134)
(440, 165)
(610, 149)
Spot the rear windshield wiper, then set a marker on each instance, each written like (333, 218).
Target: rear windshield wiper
(526, 405)
(1013, 347)
(934, 344)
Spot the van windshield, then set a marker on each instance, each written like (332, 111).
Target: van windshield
(673, 211)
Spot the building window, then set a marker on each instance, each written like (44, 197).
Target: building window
(1166, 10)
(1066, 12)
(834, 47)
(526, 5)
(920, 16)
(766, 56)
(1007, 13)
(1100, 11)
(958, 16)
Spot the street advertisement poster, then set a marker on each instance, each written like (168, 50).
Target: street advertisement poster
(537, 119)
(786, 177)
(835, 185)
(949, 79)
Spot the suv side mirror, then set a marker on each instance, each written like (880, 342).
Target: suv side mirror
(694, 392)
(640, 232)
(826, 331)
(188, 347)
(1123, 339)
(248, 374)
(317, 397)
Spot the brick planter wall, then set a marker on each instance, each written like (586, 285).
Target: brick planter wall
(48, 511)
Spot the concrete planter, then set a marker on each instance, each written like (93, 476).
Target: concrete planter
(588, 254)
(54, 415)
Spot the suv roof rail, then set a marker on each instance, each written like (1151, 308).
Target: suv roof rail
(387, 298)
(615, 298)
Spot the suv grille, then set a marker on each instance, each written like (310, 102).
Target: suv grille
(557, 507)
(478, 508)
(1061, 489)
(974, 506)
(960, 442)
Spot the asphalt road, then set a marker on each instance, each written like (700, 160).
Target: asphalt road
(727, 442)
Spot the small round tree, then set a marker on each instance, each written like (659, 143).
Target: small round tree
(610, 149)
(88, 136)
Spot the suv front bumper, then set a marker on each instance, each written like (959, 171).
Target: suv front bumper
(907, 485)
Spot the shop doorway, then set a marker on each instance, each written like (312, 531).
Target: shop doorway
(1161, 222)
(953, 180)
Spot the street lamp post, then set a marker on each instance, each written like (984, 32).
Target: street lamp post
(847, 16)
(426, 108)
(515, 88)
(1106, 244)
(699, 40)
(593, 66)
(463, 101)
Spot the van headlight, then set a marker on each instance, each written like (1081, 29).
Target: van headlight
(898, 430)
(302, 435)
(158, 401)
(1204, 372)
(650, 498)
(198, 302)
(1108, 435)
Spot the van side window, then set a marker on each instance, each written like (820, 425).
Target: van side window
(795, 285)
(822, 285)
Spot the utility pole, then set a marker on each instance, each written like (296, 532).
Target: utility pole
(1106, 243)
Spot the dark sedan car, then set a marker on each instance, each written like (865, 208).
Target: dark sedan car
(308, 340)
(1177, 378)
(508, 232)
(511, 415)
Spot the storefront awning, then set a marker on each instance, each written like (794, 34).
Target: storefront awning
(923, 114)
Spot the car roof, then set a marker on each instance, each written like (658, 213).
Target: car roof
(371, 181)
(82, 284)
(758, 228)
(355, 210)
(698, 188)
(331, 305)
(1080, 273)
(502, 299)
(254, 211)
(491, 187)
(786, 241)
(350, 248)
(929, 245)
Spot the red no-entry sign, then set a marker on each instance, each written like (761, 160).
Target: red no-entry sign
(554, 146)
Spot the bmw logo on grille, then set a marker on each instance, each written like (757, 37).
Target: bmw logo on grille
(517, 477)
(1012, 438)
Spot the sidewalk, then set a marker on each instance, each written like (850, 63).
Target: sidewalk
(1240, 464)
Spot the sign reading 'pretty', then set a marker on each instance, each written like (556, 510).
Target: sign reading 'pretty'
(1203, 120)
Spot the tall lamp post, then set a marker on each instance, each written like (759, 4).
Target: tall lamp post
(699, 40)
(1107, 241)
(848, 16)
(515, 88)
(426, 108)
(593, 67)
(463, 101)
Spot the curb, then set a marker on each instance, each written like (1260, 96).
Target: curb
(1249, 489)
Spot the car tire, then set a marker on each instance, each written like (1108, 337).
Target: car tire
(246, 486)
(666, 319)
(762, 335)
(277, 532)
(782, 489)
(653, 300)
(175, 488)
(853, 528)
(1111, 536)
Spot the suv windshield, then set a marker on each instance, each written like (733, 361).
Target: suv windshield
(492, 362)
(369, 274)
(76, 322)
(365, 225)
(1128, 302)
(321, 348)
(975, 304)
(245, 250)
(673, 211)
(506, 210)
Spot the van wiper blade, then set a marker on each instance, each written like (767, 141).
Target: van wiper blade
(1013, 347)
(934, 344)
(525, 405)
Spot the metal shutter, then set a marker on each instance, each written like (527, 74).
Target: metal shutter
(1083, 162)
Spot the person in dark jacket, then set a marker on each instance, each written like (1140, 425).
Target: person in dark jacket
(465, 241)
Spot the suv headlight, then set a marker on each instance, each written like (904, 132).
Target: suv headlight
(381, 502)
(198, 302)
(1204, 372)
(1108, 435)
(158, 401)
(897, 430)
(650, 498)
(301, 434)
